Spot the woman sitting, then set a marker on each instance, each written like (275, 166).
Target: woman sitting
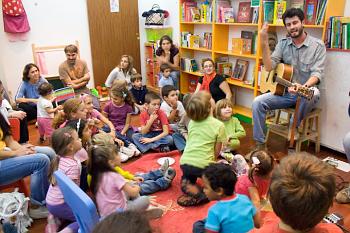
(168, 54)
(18, 161)
(27, 95)
(212, 82)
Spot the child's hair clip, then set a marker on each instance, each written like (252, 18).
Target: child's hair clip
(67, 135)
(125, 94)
(255, 160)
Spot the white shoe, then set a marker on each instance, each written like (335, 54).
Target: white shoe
(38, 213)
(123, 157)
(129, 152)
(134, 148)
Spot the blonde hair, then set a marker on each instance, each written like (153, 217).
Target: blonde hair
(199, 106)
(69, 107)
(101, 139)
(129, 69)
(223, 103)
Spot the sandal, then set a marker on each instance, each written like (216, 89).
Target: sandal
(192, 200)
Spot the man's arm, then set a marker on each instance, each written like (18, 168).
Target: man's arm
(264, 41)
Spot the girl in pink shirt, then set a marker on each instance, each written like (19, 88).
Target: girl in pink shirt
(66, 143)
(109, 187)
(255, 185)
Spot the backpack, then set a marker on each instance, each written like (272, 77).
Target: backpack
(14, 209)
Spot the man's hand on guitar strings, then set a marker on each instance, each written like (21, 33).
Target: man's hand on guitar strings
(294, 89)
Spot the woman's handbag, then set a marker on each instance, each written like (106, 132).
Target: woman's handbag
(155, 16)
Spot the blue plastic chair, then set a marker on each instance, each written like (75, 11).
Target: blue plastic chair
(81, 204)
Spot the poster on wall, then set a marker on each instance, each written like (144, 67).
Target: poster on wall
(114, 4)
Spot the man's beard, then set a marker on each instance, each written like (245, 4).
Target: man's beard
(300, 32)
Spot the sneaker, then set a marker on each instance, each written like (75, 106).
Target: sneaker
(127, 151)
(123, 157)
(163, 149)
(164, 166)
(343, 196)
(38, 213)
(170, 173)
(134, 148)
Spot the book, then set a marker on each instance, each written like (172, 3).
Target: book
(195, 14)
(279, 8)
(227, 15)
(268, 6)
(310, 11)
(237, 44)
(296, 4)
(255, 17)
(192, 83)
(247, 37)
(221, 4)
(240, 70)
(224, 68)
(244, 14)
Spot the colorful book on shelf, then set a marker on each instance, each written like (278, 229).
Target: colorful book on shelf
(310, 11)
(224, 68)
(296, 4)
(240, 70)
(244, 14)
(255, 42)
(186, 10)
(279, 8)
(192, 83)
(321, 12)
(268, 7)
(221, 4)
(193, 41)
(227, 15)
(195, 14)
(247, 37)
(255, 15)
(237, 44)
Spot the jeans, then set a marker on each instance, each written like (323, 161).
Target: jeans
(153, 182)
(167, 140)
(179, 141)
(198, 227)
(175, 75)
(35, 165)
(269, 101)
(48, 151)
(127, 139)
(346, 144)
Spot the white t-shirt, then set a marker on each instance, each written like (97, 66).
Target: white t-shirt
(118, 74)
(167, 109)
(41, 107)
(5, 109)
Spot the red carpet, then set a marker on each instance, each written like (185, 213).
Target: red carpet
(176, 218)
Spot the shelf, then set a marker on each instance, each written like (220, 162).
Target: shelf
(205, 23)
(197, 49)
(338, 50)
(229, 52)
(305, 25)
(238, 24)
(239, 83)
(153, 89)
(244, 111)
(193, 73)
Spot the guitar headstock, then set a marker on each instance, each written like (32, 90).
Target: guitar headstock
(306, 92)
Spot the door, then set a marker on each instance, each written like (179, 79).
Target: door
(112, 35)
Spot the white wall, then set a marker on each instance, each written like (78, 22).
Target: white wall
(52, 22)
(170, 5)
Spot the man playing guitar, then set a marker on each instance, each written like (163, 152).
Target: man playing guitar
(306, 54)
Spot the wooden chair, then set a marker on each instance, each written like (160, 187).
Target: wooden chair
(308, 130)
(15, 128)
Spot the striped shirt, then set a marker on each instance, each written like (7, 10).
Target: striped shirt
(71, 168)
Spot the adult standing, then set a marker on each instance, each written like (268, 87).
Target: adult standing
(27, 94)
(212, 82)
(124, 71)
(18, 161)
(306, 54)
(168, 53)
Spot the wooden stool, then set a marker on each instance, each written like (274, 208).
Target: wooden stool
(309, 128)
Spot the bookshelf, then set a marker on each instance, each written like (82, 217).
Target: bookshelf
(152, 67)
(222, 34)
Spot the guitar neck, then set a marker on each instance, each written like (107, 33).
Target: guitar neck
(283, 82)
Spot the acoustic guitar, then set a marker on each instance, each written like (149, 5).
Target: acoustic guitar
(278, 79)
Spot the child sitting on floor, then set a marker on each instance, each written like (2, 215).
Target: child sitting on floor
(301, 192)
(138, 91)
(109, 187)
(180, 137)
(171, 105)
(45, 111)
(73, 109)
(226, 215)
(165, 78)
(256, 183)
(205, 138)
(234, 129)
(150, 182)
(155, 127)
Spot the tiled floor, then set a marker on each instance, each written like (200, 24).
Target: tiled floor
(276, 145)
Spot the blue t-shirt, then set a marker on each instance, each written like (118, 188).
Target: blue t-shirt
(29, 90)
(165, 81)
(231, 216)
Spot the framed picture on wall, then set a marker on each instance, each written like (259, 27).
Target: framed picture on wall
(240, 70)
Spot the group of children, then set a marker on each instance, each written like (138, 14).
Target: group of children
(91, 146)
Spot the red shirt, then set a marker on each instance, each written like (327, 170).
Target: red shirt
(158, 123)
(271, 222)
(243, 183)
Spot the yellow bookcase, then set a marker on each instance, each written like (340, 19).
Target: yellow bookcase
(221, 40)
